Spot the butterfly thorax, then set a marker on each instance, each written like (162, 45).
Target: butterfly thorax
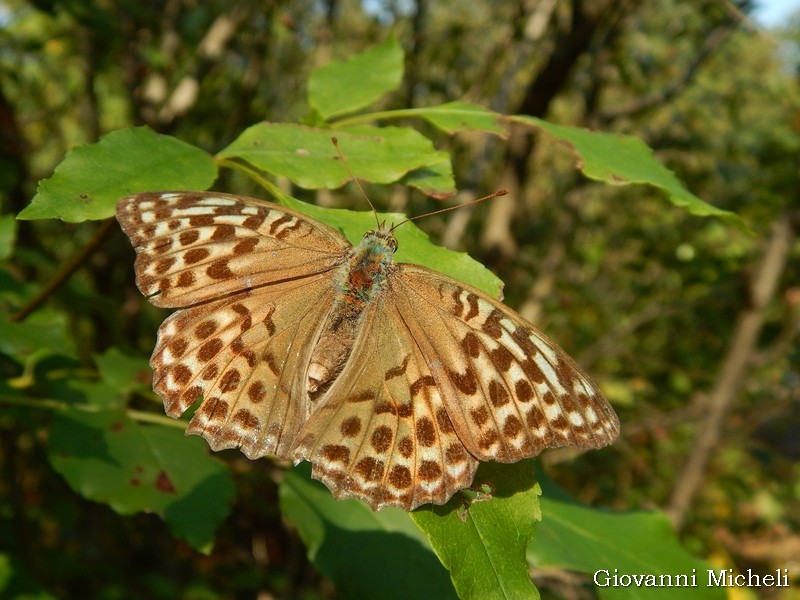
(360, 279)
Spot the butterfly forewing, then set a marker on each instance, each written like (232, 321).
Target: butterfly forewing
(435, 375)
(193, 247)
(509, 390)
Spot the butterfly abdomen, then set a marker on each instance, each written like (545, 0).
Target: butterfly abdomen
(362, 276)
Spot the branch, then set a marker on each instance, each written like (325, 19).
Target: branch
(734, 368)
(712, 42)
(66, 271)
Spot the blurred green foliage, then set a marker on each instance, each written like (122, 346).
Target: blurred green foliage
(645, 296)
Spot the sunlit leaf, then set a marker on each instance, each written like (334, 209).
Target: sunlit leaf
(90, 180)
(109, 458)
(483, 544)
(624, 159)
(601, 544)
(307, 156)
(8, 231)
(453, 117)
(343, 87)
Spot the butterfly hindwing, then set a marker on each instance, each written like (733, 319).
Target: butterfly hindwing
(381, 432)
(246, 356)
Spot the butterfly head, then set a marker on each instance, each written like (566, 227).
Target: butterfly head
(383, 237)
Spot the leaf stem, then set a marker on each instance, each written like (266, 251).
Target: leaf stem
(57, 405)
(370, 117)
(254, 174)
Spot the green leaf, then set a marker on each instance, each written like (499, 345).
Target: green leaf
(94, 393)
(8, 234)
(414, 245)
(588, 540)
(453, 117)
(90, 180)
(123, 372)
(345, 87)
(107, 457)
(306, 155)
(485, 552)
(434, 179)
(365, 554)
(43, 332)
(623, 159)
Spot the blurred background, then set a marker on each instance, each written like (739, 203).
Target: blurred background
(689, 325)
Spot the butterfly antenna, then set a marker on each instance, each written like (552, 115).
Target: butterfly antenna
(353, 177)
(449, 208)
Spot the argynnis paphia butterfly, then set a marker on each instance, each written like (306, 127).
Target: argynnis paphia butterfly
(393, 380)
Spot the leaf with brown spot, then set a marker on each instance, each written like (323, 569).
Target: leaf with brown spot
(139, 468)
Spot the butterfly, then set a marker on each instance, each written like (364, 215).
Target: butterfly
(392, 379)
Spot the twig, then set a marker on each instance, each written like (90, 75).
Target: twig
(734, 367)
(712, 41)
(66, 271)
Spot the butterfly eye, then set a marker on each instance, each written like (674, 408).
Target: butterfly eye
(392, 244)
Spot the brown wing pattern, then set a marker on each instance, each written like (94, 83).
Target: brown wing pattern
(254, 281)
(247, 356)
(508, 389)
(440, 375)
(192, 247)
(381, 432)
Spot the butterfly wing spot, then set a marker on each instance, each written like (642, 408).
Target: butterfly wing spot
(162, 266)
(351, 427)
(246, 420)
(370, 469)
(466, 382)
(215, 409)
(195, 255)
(230, 381)
(430, 470)
(406, 447)
(399, 370)
(181, 375)
(498, 394)
(426, 432)
(205, 329)
(256, 392)
(523, 391)
(382, 439)
(336, 453)
(400, 477)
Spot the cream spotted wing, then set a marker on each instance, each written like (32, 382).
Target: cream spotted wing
(253, 280)
(247, 356)
(442, 376)
(508, 389)
(382, 433)
(197, 246)
(391, 379)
